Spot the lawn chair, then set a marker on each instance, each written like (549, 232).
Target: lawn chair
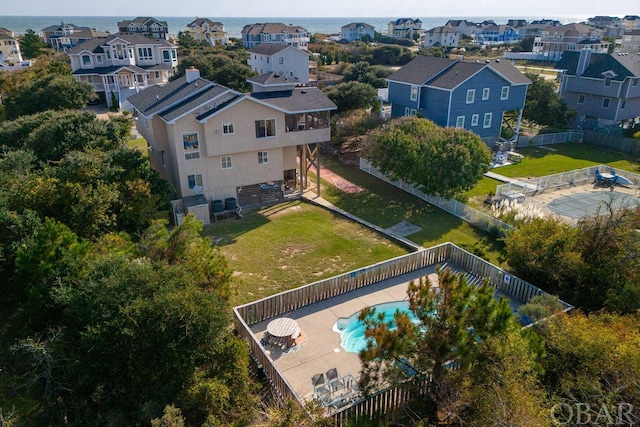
(335, 382)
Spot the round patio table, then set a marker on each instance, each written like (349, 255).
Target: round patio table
(283, 327)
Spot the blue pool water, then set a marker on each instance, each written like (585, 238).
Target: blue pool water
(351, 329)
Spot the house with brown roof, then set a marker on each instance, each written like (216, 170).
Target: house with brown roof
(146, 26)
(214, 143)
(204, 29)
(473, 95)
(119, 65)
(630, 42)
(275, 32)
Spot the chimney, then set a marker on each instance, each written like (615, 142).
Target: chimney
(192, 74)
(583, 61)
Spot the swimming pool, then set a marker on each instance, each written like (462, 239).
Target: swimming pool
(351, 329)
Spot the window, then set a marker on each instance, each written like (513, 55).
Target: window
(607, 81)
(195, 181)
(165, 56)
(191, 146)
(263, 158)
(460, 122)
(86, 60)
(407, 111)
(605, 102)
(265, 128)
(119, 51)
(623, 104)
(474, 119)
(145, 53)
(471, 94)
(581, 98)
(108, 52)
(504, 94)
(173, 53)
(268, 59)
(227, 128)
(225, 161)
(280, 60)
(634, 82)
(156, 74)
(99, 59)
(485, 93)
(413, 112)
(162, 159)
(414, 93)
(487, 120)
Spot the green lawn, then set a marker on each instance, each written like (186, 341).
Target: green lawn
(293, 244)
(385, 205)
(141, 144)
(543, 161)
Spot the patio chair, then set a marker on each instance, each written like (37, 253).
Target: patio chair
(320, 388)
(334, 379)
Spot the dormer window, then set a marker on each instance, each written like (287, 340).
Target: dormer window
(607, 81)
(86, 60)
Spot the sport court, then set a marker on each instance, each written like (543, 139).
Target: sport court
(580, 204)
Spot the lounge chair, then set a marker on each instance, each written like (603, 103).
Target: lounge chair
(334, 379)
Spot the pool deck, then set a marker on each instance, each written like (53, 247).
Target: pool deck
(322, 351)
(546, 197)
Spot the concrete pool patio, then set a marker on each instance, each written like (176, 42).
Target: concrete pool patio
(316, 308)
(323, 351)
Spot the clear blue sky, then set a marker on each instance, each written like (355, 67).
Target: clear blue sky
(322, 8)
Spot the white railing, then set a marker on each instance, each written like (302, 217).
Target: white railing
(467, 213)
(550, 138)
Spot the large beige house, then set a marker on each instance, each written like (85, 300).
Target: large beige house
(214, 143)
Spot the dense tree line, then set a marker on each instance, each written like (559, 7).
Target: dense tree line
(108, 318)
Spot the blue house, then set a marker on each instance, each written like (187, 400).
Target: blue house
(497, 34)
(473, 95)
(603, 88)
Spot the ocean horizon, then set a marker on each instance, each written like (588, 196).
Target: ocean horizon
(233, 25)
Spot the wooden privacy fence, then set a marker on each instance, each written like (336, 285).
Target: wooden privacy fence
(613, 142)
(380, 402)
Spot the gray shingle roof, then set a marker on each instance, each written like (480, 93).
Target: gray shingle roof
(267, 48)
(131, 38)
(105, 71)
(420, 70)
(157, 98)
(297, 100)
(272, 79)
(191, 102)
(448, 73)
(199, 21)
(271, 28)
(622, 65)
(359, 24)
(456, 74)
